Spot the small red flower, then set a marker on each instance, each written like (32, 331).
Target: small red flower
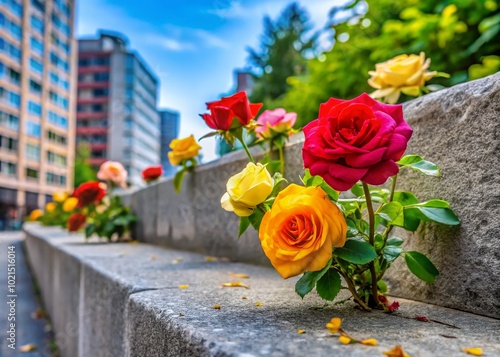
(89, 192)
(152, 173)
(76, 221)
(223, 111)
(393, 307)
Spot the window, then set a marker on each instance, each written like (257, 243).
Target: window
(37, 4)
(57, 159)
(36, 66)
(33, 152)
(34, 109)
(58, 120)
(37, 24)
(9, 121)
(16, 7)
(55, 79)
(59, 43)
(55, 179)
(15, 30)
(36, 45)
(58, 100)
(10, 49)
(58, 62)
(95, 61)
(2, 69)
(33, 129)
(14, 100)
(7, 168)
(56, 138)
(101, 77)
(35, 87)
(32, 173)
(8, 143)
(60, 24)
(101, 92)
(15, 77)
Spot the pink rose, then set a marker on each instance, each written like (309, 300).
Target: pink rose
(277, 120)
(113, 171)
(353, 140)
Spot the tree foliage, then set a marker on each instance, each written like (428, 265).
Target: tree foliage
(460, 36)
(83, 171)
(283, 47)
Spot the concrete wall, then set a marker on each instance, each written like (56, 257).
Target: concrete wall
(457, 128)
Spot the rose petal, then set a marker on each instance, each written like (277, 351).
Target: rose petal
(378, 174)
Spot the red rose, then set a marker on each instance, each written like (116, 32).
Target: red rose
(152, 173)
(89, 192)
(76, 221)
(353, 140)
(222, 112)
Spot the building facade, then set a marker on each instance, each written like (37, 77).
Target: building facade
(37, 101)
(170, 125)
(116, 105)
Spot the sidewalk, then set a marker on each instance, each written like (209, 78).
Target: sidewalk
(27, 329)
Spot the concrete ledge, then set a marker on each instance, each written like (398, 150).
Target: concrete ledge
(457, 128)
(124, 300)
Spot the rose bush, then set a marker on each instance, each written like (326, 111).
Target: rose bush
(114, 172)
(183, 149)
(299, 232)
(276, 121)
(76, 222)
(403, 73)
(247, 189)
(355, 140)
(223, 111)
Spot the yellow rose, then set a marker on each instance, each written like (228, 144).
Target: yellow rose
(59, 196)
(299, 232)
(35, 214)
(50, 207)
(400, 74)
(70, 204)
(183, 149)
(247, 189)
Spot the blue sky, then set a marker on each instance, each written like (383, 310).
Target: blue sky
(192, 46)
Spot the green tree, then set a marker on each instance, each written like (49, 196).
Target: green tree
(83, 171)
(284, 45)
(460, 36)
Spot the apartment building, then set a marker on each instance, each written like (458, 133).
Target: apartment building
(116, 105)
(169, 128)
(37, 116)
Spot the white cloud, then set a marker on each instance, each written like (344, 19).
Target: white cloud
(180, 39)
(175, 45)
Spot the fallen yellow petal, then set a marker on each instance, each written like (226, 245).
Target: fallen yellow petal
(344, 340)
(217, 306)
(369, 342)
(27, 348)
(300, 332)
(334, 325)
(396, 351)
(134, 242)
(177, 261)
(235, 284)
(210, 259)
(475, 351)
(240, 276)
(183, 286)
(258, 303)
(244, 297)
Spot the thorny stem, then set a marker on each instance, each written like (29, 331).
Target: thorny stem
(371, 217)
(352, 289)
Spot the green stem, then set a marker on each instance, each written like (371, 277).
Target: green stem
(352, 289)
(393, 187)
(371, 216)
(250, 157)
(282, 160)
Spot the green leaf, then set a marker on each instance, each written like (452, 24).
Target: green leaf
(357, 190)
(433, 203)
(308, 281)
(89, 230)
(440, 215)
(391, 252)
(280, 141)
(306, 177)
(212, 133)
(405, 198)
(179, 176)
(392, 212)
(394, 241)
(255, 218)
(382, 286)
(333, 194)
(328, 286)
(416, 163)
(273, 166)
(421, 266)
(244, 224)
(411, 219)
(356, 251)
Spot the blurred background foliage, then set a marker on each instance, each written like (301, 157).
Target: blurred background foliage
(462, 38)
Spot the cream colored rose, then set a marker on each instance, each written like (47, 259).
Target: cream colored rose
(247, 189)
(402, 73)
(113, 171)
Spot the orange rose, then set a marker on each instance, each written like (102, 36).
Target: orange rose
(299, 232)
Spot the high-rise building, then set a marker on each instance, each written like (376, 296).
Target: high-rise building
(37, 101)
(116, 111)
(170, 122)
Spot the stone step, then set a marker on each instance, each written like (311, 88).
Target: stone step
(124, 300)
(456, 128)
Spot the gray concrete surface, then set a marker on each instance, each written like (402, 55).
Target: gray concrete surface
(27, 329)
(456, 128)
(129, 303)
